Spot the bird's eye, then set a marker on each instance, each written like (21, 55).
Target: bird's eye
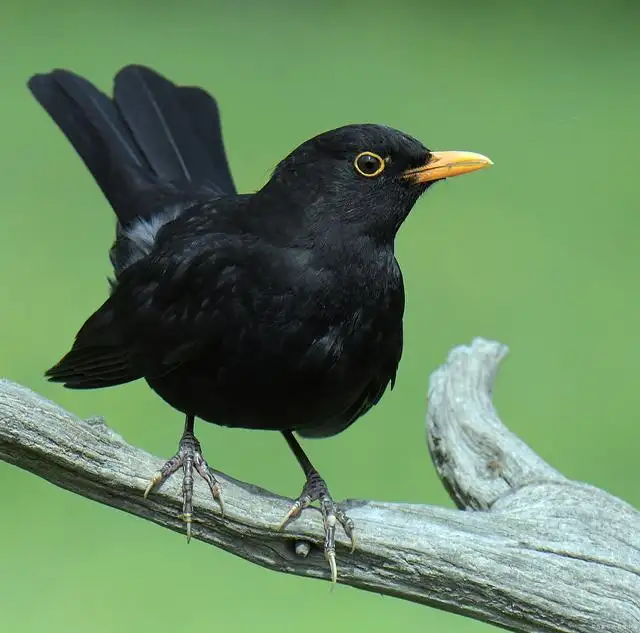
(369, 164)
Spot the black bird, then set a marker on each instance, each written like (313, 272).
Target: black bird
(277, 310)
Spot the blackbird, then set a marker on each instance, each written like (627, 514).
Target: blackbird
(279, 310)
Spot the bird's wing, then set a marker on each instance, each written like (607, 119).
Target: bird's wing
(162, 309)
(153, 322)
(99, 356)
(177, 304)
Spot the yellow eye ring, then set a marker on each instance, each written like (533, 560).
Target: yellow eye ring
(369, 164)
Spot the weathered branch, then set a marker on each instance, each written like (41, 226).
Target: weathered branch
(537, 552)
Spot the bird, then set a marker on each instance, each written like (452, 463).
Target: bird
(280, 309)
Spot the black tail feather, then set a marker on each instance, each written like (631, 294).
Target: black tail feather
(151, 137)
(97, 132)
(165, 127)
(204, 116)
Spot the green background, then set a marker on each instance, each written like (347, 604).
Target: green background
(539, 252)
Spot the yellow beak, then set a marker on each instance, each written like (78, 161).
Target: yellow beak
(446, 165)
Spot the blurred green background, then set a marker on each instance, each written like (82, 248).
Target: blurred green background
(540, 252)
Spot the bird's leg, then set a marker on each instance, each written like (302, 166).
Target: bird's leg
(315, 489)
(188, 457)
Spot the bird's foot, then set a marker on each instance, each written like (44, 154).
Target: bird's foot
(188, 457)
(315, 489)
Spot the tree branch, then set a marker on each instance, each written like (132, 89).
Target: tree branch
(537, 552)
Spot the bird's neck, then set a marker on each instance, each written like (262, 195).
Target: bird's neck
(289, 214)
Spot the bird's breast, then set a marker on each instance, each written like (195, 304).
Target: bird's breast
(351, 312)
(284, 341)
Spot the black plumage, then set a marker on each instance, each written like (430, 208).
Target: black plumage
(277, 310)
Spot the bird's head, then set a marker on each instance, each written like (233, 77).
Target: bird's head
(365, 176)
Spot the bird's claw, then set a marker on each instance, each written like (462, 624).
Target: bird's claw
(296, 509)
(331, 559)
(188, 457)
(153, 482)
(315, 489)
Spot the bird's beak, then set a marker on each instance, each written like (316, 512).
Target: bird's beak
(446, 165)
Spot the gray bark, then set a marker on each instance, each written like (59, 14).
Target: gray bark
(532, 550)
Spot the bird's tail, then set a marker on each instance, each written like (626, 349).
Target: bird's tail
(152, 141)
